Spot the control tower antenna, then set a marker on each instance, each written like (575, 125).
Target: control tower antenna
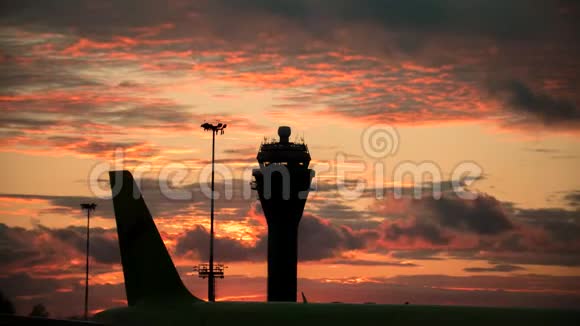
(282, 182)
(211, 276)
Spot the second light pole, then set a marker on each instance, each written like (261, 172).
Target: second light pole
(88, 208)
(211, 279)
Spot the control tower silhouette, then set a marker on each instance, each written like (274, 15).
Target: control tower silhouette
(283, 182)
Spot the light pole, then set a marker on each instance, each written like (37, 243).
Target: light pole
(88, 208)
(211, 279)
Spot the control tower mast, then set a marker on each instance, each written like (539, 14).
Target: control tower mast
(283, 182)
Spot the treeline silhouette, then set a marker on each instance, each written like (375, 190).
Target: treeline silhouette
(7, 307)
(38, 310)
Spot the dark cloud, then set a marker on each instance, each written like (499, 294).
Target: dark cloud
(481, 229)
(484, 215)
(564, 232)
(419, 254)
(19, 73)
(341, 213)
(41, 245)
(427, 232)
(562, 226)
(226, 249)
(109, 110)
(17, 246)
(547, 214)
(318, 239)
(496, 268)
(500, 252)
(360, 262)
(22, 284)
(516, 19)
(128, 84)
(21, 122)
(573, 198)
(104, 243)
(530, 257)
(70, 205)
(548, 109)
(440, 221)
(99, 146)
(521, 249)
(88, 18)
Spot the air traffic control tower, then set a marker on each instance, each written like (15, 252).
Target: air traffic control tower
(283, 182)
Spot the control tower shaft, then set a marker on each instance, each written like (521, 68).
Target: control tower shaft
(283, 182)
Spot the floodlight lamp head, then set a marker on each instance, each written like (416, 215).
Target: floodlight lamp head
(89, 207)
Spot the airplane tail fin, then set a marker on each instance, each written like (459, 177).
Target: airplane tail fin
(149, 272)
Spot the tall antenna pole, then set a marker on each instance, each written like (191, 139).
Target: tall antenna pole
(88, 208)
(211, 279)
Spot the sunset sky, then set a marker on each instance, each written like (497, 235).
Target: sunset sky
(89, 86)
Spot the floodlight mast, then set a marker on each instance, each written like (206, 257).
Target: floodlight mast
(211, 277)
(88, 208)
